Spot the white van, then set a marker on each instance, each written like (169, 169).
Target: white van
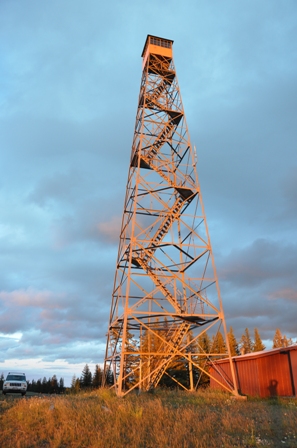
(16, 383)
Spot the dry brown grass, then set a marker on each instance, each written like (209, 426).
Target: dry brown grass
(164, 419)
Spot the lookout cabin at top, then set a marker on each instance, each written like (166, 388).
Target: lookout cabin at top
(157, 45)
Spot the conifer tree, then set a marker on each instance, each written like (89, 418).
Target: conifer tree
(151, 342)
(277, 339)
(73, 381)
(1, 381)
(38, 385)
(218, 343)
(177, 370)
(131, 360)
(204, 344)
(77, 385)
(258, 344)
(280, 340)
(44, 385)
(109, 380)
(86, 377)
(233, 343)
(246, 345)
(287, 341)
(192, 370)
(61, 386)
(54, 384)
(97, 377)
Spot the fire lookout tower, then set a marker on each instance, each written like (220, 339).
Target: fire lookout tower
(166, 295)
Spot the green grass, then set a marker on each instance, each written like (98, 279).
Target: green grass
(160, 420)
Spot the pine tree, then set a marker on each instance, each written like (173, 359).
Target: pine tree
(131, 363)
(38, 385)
(258, 344)
(109, 380)
(1, 381)
(287, 341)
(54, 384)
(177, 369)
(77, 385)
(33, 386)
(277, 339)
(218, 344)
(203, 343)
(49, 386)
(61, 386)
(44, 385)
(192, 369)
(73, 382)
(86, 377)
(246, 345)
(233, 343)
(97, 377)
(151, 342)
(280, 340)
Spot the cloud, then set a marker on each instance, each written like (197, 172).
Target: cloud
(285, 294)
(259, 287)
(262, 261)
(59, 187)
(30, 298)
(71, 77)
(110, 230)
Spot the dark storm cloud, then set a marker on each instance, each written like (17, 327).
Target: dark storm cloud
(70, 78)
(259, 287)
(261, 262)
(248, 149)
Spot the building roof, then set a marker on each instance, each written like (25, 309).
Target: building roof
(281, 350)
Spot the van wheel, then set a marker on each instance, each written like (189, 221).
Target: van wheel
(23, 393)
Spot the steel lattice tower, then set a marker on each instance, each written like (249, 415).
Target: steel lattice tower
(166, 294)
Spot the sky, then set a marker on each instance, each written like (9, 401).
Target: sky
(70, 76)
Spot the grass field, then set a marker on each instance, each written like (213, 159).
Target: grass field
(160, 420)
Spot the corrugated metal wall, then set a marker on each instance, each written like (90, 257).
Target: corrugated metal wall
(274, 376)
(293, 354)
(265, 374)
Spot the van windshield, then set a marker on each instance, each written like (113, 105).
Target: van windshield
(16, 378)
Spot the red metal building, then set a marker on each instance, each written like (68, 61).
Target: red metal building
(268, 373)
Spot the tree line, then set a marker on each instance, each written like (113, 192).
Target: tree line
(54, 386)
(87, 380)
(47, 386)
(204, 344)
(207, 348)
